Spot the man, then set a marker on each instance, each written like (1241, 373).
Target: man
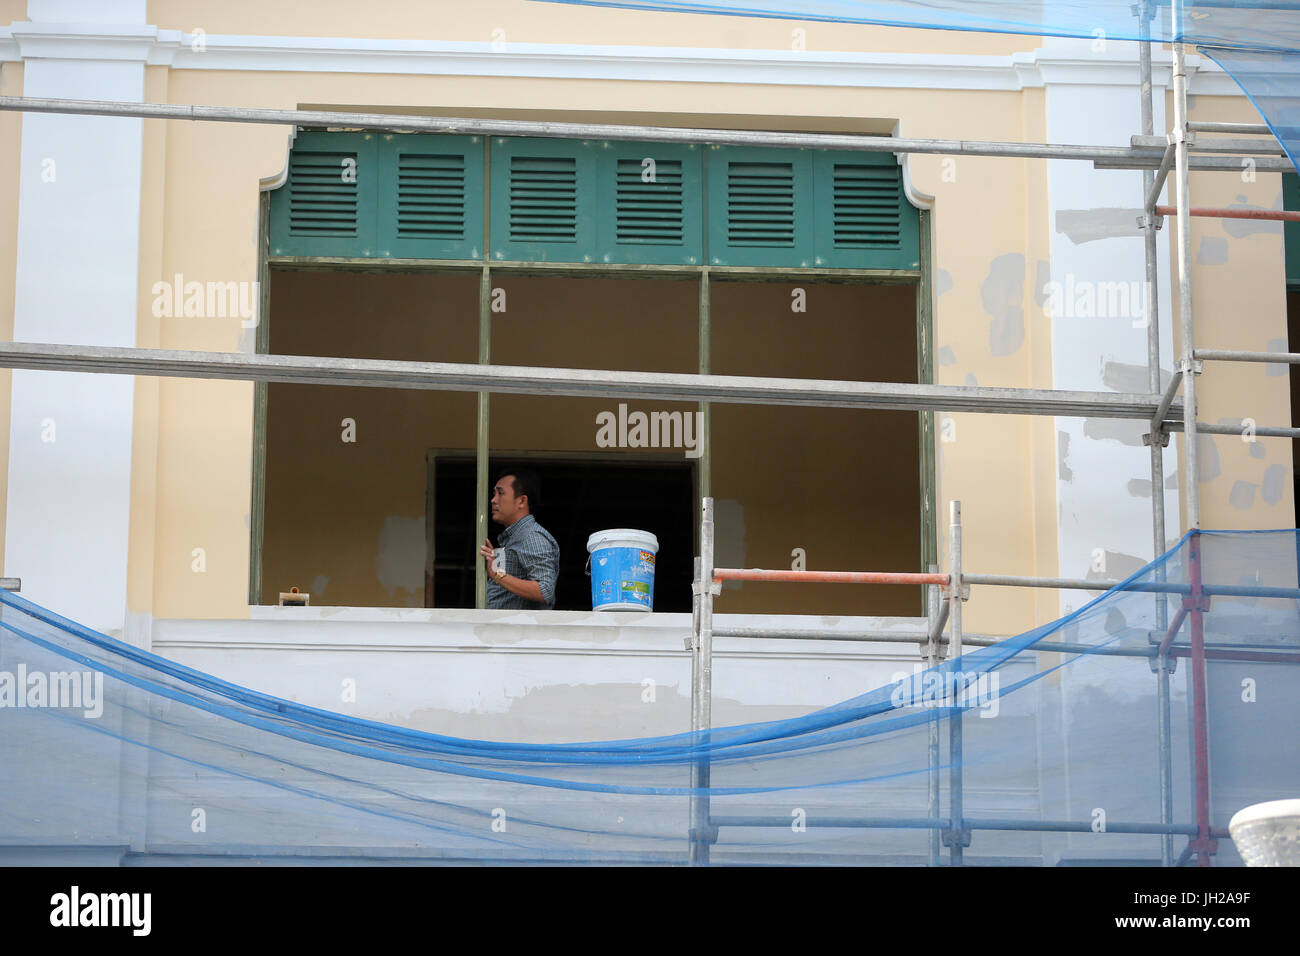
(527, 575)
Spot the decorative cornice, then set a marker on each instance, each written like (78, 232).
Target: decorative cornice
(197, 51)
(39, 41)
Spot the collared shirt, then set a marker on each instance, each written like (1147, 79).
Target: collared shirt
(532, 555)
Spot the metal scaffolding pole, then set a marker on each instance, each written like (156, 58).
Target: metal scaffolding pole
(702, 690)
(1189, 365)
(1158, 438)
(528, 380)
(1196, 604)
(935, 626)
(957, 837)
(1129, 156)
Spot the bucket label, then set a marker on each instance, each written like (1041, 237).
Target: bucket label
(623, 576)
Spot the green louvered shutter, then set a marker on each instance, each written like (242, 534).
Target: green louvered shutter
(326, 206)
(863, 218)
(543, 200)
(650, 200)
(430, 196)
(760, 207)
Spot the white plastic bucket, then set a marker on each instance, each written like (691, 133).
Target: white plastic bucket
(622, 569)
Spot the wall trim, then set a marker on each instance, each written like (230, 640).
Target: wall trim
(197, 51)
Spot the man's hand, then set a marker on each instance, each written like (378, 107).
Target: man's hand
(489, 553)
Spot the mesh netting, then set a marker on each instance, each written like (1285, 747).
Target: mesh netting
(1050, 747)
(1257, 43)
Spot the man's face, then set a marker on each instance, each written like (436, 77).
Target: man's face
(506, 508)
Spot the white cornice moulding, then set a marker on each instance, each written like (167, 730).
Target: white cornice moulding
(186, 51)
(64, 41)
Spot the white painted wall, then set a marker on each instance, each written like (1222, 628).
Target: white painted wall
(1092, 97)
(66, 532)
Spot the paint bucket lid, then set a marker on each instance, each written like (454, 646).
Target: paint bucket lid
(623, 538)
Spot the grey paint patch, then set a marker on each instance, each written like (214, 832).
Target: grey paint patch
(1139, 487)
(1241, 228)
(1208, 450)
(942, 282)
(318, 585)
(947, 356)
(1275, 479)
(399, 563)
(572, 713)
(971, 379)
(1276, 368)
(1124, 431)
(1257, 450)
(1063, 455)
(1003, 296)
(247, 522)
(1171, 481)
(247, 339)
(1243, 494)
(1117, 566)
(729, 538)
(1127, 377)
(1213, 251)
(1116, 622)
(1089, 225)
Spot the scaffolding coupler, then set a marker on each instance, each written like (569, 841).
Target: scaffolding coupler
(958, 838)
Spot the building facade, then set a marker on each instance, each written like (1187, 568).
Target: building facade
(173, 511)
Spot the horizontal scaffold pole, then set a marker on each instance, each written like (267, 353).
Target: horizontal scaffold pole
(1227, 212)
(526, 380)
(1145, 158)
(1233, 355)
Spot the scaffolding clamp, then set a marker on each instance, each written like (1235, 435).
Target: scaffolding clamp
(1152, 221)
(1201, 603)
(1195, 365)
(707, 834)
(1180, 134)
(1168, 663)
(715, 588)
(1150, 439)
(952, 837)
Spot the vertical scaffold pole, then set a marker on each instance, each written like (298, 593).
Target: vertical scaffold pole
(1203, 845)
(702, 689)
(1158, 440)
(931, 661)
(957, 837)
(1192, 476)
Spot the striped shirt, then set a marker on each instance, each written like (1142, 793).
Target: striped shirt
(531, 554)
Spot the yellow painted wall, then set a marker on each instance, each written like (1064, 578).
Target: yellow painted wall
(1239, 288)
(11, 127)
(521, 21)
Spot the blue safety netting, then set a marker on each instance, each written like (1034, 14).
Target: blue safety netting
(1255, 42)
(1049, 748)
